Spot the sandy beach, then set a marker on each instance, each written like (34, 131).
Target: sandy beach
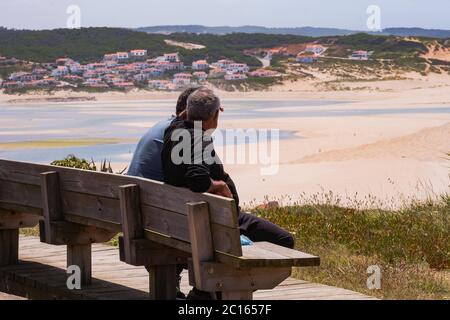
(394, 157)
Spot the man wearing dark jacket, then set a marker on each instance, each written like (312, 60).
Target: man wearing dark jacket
(202, 170)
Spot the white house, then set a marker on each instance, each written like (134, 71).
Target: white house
(110, 57)
(200, 65)
(152, 72)
(182, 79)
(217, 73)
(122, 56)
(138, 54)
(171, 57)
(60, 71)
(235, 76)
(223, 64)
(237, 68)
(200, 75)
(360, 55)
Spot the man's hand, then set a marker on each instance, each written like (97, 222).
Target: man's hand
(220, 188)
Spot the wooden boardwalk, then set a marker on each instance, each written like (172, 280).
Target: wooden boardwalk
(41, 275)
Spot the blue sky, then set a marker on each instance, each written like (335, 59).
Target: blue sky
(349, 14)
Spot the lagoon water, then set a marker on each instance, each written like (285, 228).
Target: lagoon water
(128, 120)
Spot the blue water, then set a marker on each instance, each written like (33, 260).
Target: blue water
(31, 122)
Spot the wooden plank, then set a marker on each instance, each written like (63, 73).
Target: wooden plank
(106, 185)
(290, 253)
(200, 238)
(25, 195)
(51, 204)
(9, 247)
(131, 221)
(256, 255)
(14, 220)
(175, 225)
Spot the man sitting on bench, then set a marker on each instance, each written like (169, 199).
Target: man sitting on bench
(146, 160)
(201, 174)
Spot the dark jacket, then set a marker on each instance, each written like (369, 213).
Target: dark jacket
(195, 175)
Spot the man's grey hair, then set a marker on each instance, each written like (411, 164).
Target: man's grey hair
(202, 105)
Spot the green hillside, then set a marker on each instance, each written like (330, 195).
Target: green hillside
(89, 44)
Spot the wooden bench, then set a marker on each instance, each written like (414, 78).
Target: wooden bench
(162, 226)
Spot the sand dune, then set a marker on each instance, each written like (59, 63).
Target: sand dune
(427, 145)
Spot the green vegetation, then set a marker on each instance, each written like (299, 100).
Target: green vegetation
(90, 44)
(85, 45)
(71, 161)
(231, 46)
(411, 245)
(384, 47)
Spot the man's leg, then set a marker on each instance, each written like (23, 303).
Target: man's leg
(258, 229)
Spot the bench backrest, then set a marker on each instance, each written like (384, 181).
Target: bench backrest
(92, 198)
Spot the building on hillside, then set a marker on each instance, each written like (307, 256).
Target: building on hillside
(171, 57)
(124, 85)
(360, 55)
(110, 63)
(161, 85)
(235, 76)
(237, 68)
(182, 79)
(217, 73)
(12, 84)
(138, 54)
(122, 56)
(40, 72)
(200, 65)
(60, 71)
(23, 76)
(317, 49)
(168, 65)
(200, 75)
(306, 57)
(93, 82)
(110, 57)
(223, 64)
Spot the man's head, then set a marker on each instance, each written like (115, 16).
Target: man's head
(203, 105)
(182, 99)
